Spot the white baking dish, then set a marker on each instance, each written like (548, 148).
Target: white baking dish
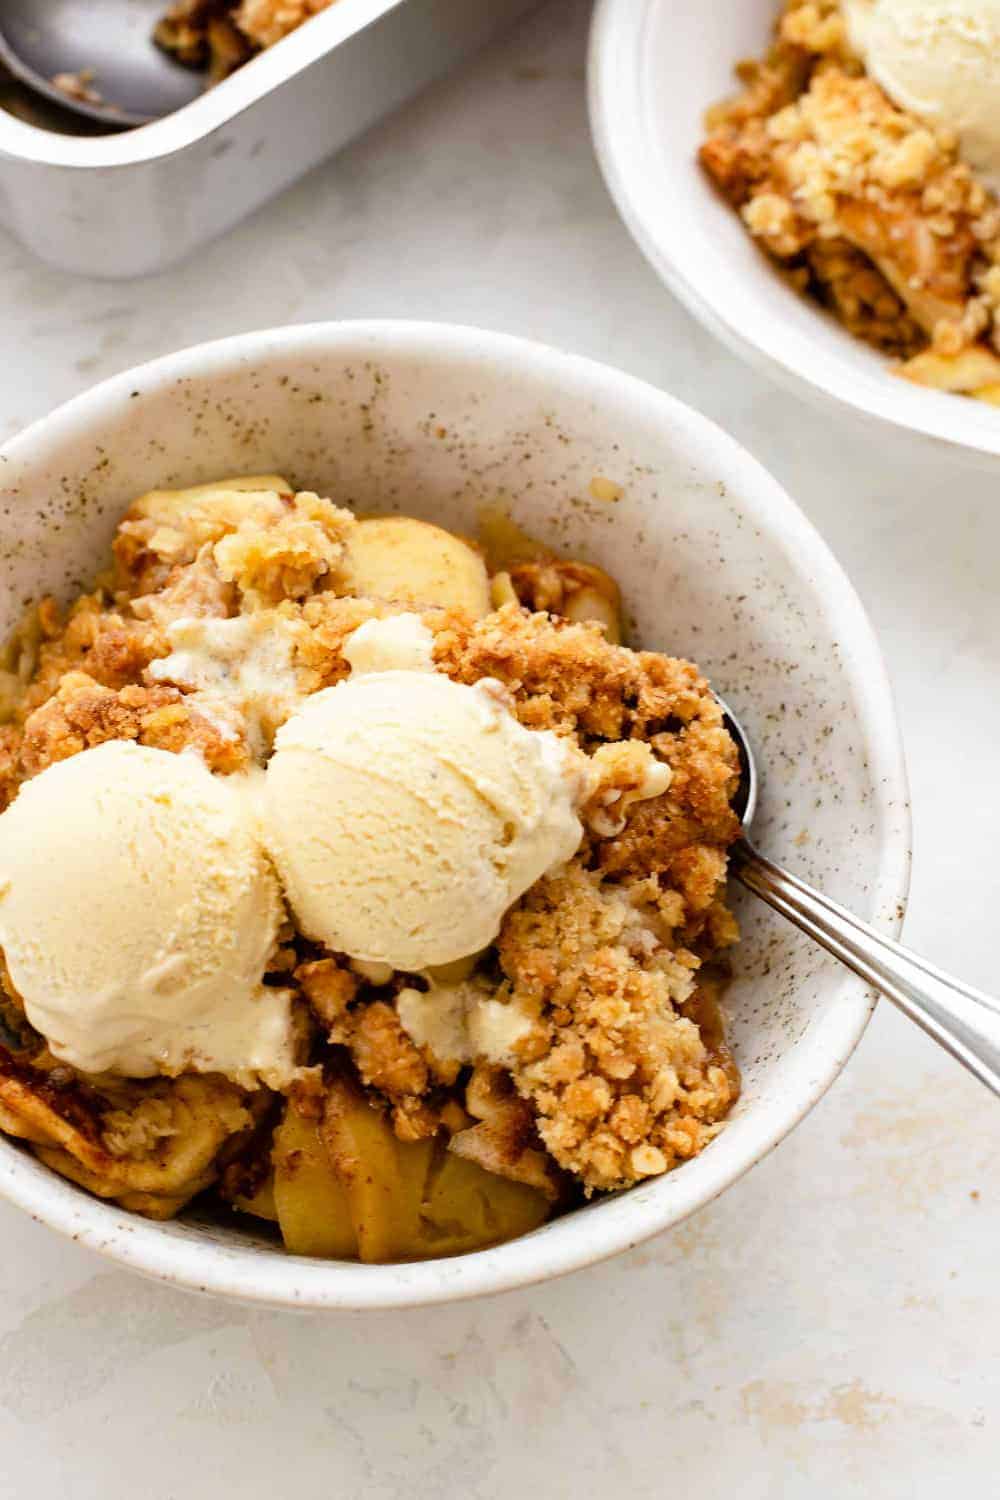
(130, 204)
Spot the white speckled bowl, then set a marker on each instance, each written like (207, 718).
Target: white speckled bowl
(655, 67)
(715, 561)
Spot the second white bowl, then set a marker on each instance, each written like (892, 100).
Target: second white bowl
(655, 67)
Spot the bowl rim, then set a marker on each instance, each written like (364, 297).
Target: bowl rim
(569, 1244)
(616, 42)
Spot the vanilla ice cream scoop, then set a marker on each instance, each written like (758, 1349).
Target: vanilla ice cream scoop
(138, 911)
(406, 813)
(939, 59)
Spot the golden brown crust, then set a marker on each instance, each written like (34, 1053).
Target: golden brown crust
(94, 638)
(82, 714)
(386, 1059)
(291, 556)
(330, 620)
(569, 678)
(577, 591)
(330, 987)
(384, 1055)
(623, 1085)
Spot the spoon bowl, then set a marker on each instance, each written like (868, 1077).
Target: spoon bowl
(963, 1020)
(109, 45)
(744, 802)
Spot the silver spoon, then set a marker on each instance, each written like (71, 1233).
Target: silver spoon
(109, 43)
(965, 1021)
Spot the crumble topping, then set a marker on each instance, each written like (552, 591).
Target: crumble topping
(266, 22)
(83, 713)
(622, 1084)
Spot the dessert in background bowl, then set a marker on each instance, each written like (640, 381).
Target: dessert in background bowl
(882, 213)
(240, 623)
(863, 153)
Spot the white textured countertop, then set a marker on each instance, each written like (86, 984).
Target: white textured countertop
(830, 1326)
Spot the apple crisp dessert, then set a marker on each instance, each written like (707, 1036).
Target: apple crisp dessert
(456, 858)
(869, 208)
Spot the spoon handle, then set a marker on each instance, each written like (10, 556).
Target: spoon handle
(965, 1021)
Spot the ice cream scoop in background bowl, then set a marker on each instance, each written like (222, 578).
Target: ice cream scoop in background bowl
(940, 59)
(715, 562)
(655, 67)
